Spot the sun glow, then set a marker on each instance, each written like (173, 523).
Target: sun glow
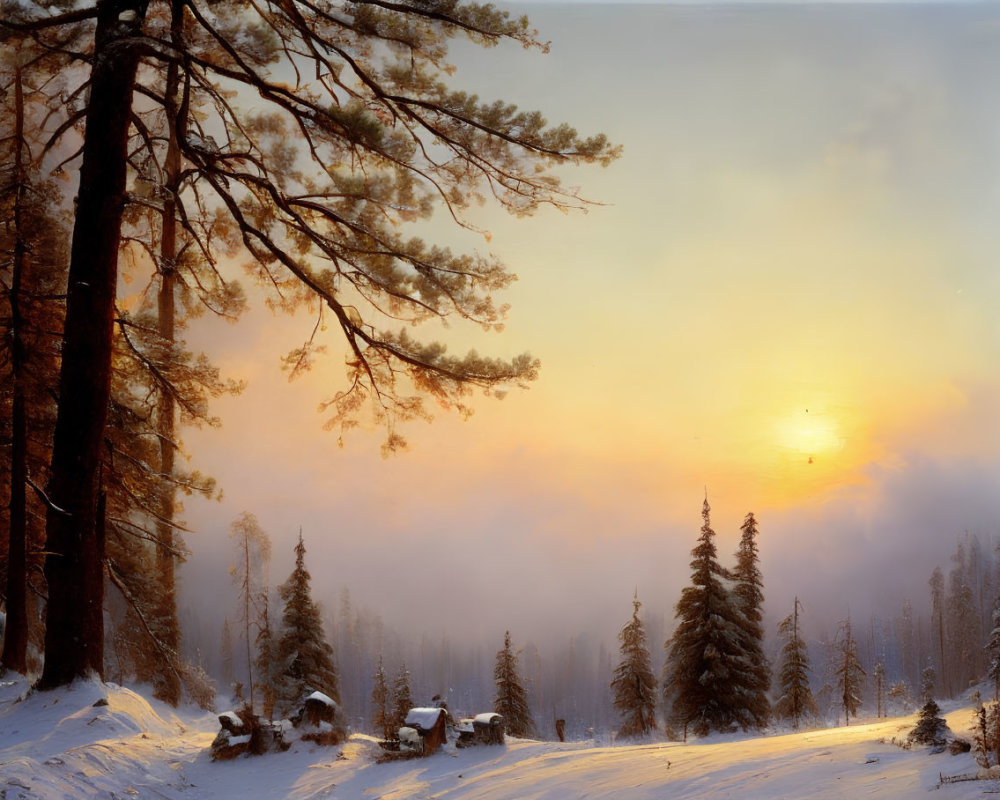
(810, 434)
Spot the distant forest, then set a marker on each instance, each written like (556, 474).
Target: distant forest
(865, 667)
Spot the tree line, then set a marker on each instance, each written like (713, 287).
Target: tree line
(128, 149)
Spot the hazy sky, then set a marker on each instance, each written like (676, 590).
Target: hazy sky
(790, 298)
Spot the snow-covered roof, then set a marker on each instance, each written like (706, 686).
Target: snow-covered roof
(487, 718)
(322, 698)
(425, 718)
(232, 717)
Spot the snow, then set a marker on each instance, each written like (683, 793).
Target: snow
(58, 745)
(487, 718)
(321, 698)
(425, 718)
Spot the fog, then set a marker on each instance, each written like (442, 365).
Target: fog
(805, 209)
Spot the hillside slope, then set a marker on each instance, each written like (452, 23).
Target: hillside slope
(58, 745)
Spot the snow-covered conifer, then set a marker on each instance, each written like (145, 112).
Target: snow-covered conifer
(305, 655)
(512, 698)
(878, 675)
(993, 652)
(796, 700)
(634, 684)
(850, 675)
(753, 709)
(401, 699)
(704, 654)
(931, 727)
(381, 716)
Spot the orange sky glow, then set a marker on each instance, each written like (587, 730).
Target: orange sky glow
(788, 297)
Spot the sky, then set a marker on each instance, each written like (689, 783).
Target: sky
(784, 297)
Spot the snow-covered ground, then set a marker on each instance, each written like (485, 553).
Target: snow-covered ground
(60, 745)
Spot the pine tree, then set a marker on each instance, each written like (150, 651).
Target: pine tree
(993, 652)
(634, 684)
(879, 677)
(384, 141)
(253, 552)
(936, 584)
(931, 727)
(928, 681)
(754, 708)
(381, 715)
(266, 663)
(511, 699)
(402, 699)
(796, 700)
(850, 675)
(963, 627)
(704, 657)
(33, 258)
(304, 654)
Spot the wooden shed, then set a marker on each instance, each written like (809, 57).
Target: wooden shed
(430, 725)
(484, 728)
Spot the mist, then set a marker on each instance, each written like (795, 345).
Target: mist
(804, 210)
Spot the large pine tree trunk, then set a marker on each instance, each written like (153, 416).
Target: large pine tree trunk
(166, 311)
(74, 635)
(15, 645)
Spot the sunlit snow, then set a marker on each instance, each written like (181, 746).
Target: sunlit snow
(56, 745)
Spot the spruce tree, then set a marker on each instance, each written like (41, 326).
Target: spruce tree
(850, 675)
(511, 699)
(402, 699)
(753, 709)
(879, 677)
(634, 684)
(266, 663)
(704, 657)
(993, 653)
(931, 727)
(381, 715)
(305, 655)
(796, 700)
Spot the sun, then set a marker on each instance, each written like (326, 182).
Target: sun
(810, 434)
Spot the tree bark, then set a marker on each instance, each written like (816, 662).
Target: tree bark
(74, 573)
(15, 644)
(166, 413)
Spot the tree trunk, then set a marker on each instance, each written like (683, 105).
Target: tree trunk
(74, 573)
(165, 552)
(15, 644)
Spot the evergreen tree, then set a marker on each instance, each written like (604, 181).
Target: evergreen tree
(796, 700)
(753, 709)
(511, 698)
(253, 552)
(266, 663)
(634, 684)
(704, 655)
(963, 627)
(305, 656)
(928, 681)
(381, 715)
(402, 699)
(384, 142)
(993, 653)
(879, 678)
(931, 727)
(850, 675)
(33, 250)
(936, 584)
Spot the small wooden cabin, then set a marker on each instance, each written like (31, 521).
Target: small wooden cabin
(482, 729)
(430, 725)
